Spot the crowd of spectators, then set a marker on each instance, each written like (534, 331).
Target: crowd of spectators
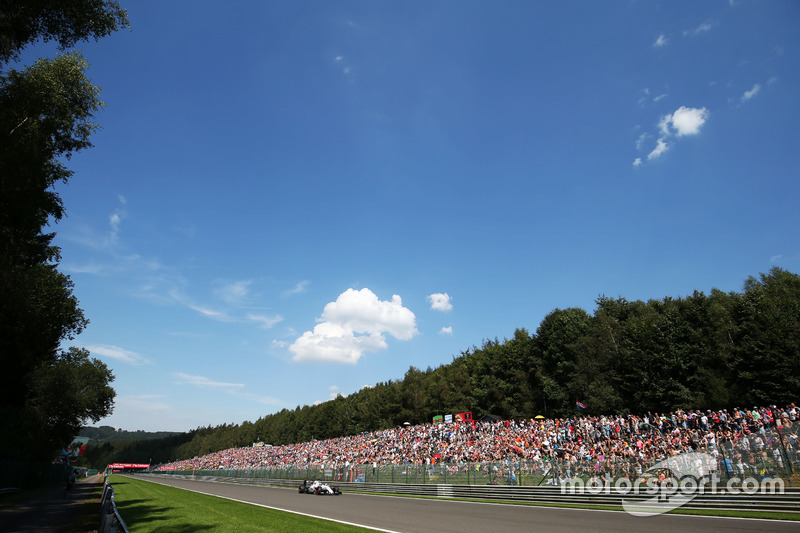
(582, 445)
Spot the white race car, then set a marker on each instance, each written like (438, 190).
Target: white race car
(315, 487)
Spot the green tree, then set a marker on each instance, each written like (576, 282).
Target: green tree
(555, 343)
(46, 113)
(23, 22)
(66, 393)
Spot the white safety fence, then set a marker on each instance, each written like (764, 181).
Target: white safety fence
(110, 520)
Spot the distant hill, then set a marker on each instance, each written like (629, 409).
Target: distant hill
(107, 434)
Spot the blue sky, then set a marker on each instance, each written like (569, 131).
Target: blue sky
(293, 200)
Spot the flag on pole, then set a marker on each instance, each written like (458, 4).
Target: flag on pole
(580, 406)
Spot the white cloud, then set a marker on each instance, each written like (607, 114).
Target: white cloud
(278, 343)
(640, 141)
(338, 58)
(440, 301)
(447, 330)
(751, 93)
(205, 383)
(702, 28)
(660, 148)
(658, 98)
(301, 287)
(775, 258)
(120, 354)
(661, 41)
(114, 222)
(212, 314)
(355, 323)
(685, 120)
(234, 293)
(265, 321)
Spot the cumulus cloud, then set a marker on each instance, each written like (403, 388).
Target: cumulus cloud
(751, 93)
(688, 120)
(355, 323)
(440, 301)
(120, 354)
(682, 122)
(661, 41)
(447, 330)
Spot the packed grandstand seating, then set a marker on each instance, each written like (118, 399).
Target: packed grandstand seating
(579, 445)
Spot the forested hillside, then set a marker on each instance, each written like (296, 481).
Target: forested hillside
(104, 434)
(700, 351)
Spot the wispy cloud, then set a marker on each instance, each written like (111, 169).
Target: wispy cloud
(266, 322)
(300, 288)
(702, 28)
(234, 389)
(213, 314)
(447, 330)
(751, 93)
(205, 383)
(661, 41)
(235, 292)
(661, 147)
(119, 354)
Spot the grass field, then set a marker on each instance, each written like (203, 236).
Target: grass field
(149, 507)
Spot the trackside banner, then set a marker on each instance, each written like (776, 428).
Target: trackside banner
(118, 466)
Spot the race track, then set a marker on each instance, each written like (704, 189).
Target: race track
(412, 515)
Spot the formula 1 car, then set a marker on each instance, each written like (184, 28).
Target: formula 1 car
(315, 487)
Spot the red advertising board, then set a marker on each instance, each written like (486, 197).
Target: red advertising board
(122, 466)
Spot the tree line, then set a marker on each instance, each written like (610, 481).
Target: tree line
(709, 351)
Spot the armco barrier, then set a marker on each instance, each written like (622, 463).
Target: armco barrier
(788, 501)
(110, 520)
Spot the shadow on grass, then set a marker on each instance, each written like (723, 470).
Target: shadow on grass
(141, 513)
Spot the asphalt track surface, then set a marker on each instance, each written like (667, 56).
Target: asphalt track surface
(415, 515)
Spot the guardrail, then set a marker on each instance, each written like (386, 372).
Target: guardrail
(787, 500)
(110, 520)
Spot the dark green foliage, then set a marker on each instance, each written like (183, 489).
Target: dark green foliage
(46, 113)
(23, 22)
(628, 357)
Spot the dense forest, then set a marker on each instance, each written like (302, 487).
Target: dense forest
(700, 351)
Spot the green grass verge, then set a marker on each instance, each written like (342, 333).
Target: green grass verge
(148, 507)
